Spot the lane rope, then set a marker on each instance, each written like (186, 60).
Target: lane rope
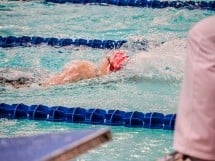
(27, 41)
(152, 120)
(206, 5)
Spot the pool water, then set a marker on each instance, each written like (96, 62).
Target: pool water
(151, 83)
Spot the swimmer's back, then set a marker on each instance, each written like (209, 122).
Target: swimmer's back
(82, 69)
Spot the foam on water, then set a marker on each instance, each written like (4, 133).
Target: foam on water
(148, 60)
(163, 62)
(148, 74)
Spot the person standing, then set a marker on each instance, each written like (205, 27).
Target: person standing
(194, 136)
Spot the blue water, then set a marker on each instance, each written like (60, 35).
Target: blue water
(151, 83)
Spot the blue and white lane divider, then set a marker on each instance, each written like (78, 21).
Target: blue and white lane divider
(152, 120)
(209, 5)
(27, 41)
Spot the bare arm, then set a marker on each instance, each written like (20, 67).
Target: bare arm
(104, 66)
(74, 72)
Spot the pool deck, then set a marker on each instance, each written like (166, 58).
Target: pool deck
(52, 147)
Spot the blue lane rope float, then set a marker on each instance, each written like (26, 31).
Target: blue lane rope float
(209, 5)
(152, 120)
(27, 41)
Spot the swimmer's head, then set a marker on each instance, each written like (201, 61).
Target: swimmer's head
(116, 60)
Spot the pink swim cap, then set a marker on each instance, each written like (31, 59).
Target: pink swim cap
(117, 60)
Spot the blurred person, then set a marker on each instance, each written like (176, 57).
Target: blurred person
(74, 71)
(81, 69)
(194, 136)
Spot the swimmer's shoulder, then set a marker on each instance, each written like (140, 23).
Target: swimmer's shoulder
(81, 65)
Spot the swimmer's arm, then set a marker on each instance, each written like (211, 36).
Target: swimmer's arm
(104, 67)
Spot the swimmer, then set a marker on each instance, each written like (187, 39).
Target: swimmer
(81, 69)
(73, 72)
